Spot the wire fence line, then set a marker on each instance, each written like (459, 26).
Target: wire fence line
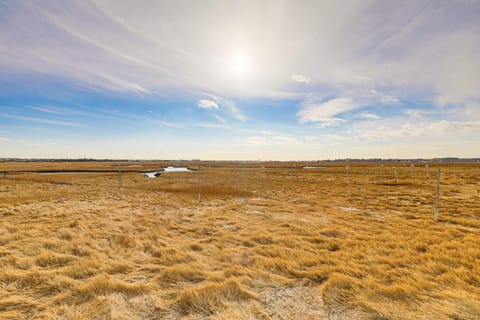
(361, 176)
(244, 181)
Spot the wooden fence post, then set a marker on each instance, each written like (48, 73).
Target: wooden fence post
(347, 168)
(383, 171)
(435, 214)
(396, 175)
(363, 181)
(199, 184)
(120, 182)
(412, 168)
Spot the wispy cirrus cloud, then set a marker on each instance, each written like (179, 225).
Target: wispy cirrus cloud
(409, 131)
(390, 100)
(219, 119)
(45, 109)
(207, 104)
(301, 78)
(398, 130)
(371, 116)
(369, 64)
(336, 137)
(230, 106)
(111, 45)
(413, 113)
(326, 111)
(255, 141)
(42, 120)
(278, 140)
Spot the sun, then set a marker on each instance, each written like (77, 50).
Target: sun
(240, 63)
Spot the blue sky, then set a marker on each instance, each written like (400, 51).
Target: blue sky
(266, 80)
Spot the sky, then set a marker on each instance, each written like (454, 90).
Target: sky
(239, 80)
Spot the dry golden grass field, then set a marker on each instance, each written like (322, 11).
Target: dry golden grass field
(267, 241)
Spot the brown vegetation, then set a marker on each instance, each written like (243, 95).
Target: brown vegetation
(268, 241)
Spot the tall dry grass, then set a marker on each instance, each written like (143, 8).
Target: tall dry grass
(264, 243)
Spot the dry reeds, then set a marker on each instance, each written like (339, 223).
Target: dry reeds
(273, 245)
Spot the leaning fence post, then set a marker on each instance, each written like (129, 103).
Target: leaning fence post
(120, 182)
(435, 214)
(396, 175)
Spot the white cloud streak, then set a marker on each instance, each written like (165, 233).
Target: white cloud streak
(42, 120)
(207, 104)
(387, 54)
(45, 109)
(255, 142)
(404, 130)
(370, 116)
(219, 119)
(276, 140)
(326, 111)
(155, 47)
(390, 100)
(229, 105)
(413, 113)
(301, 78)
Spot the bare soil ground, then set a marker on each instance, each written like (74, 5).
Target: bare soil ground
(267, 241)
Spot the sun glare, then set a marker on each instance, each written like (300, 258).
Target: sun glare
(240, 63)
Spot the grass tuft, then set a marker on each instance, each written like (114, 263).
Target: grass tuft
(100, 286)
(183, 273)
(52, 260)
(211, 297)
